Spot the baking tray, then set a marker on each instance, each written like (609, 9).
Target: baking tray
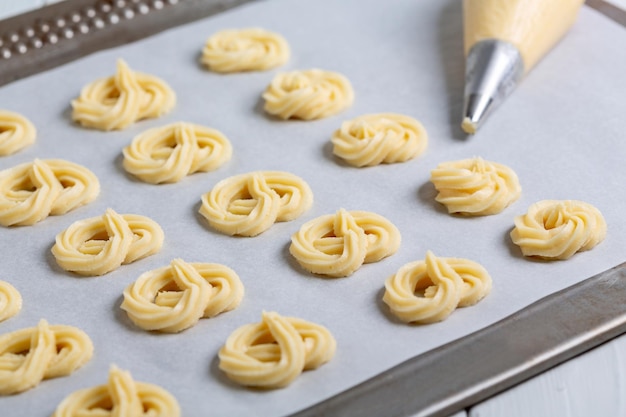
(440, 380)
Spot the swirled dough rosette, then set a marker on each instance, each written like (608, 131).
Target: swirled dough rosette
(308, 95)
(475, 187)
(236, 50)
(101, 244)
(274, 352)
(336, 245)
(557, 229)
(248, 204)
(373, 139)
(429, 291)
(31, 355)
(16, 132)
(10, 301)
(169, 153)
(31, 192)
(116, 102)
(175, 297)
(121, 396)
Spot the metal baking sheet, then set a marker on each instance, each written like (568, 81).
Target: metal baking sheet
(62, 32)
(445, 379)
(561, 131)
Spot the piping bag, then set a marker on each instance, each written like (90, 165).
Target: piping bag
(504, 39)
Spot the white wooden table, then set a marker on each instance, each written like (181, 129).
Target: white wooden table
(593, 384)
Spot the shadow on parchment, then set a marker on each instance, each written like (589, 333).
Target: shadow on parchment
(450, 38)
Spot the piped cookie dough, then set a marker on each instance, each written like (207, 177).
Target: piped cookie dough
(31, 192)
(374, 139)
(308, 95)
(236, 50)
(475, 187)
(16, 132)
(31, 355)
(248, 204)
(429, 291)
(101, 244)
(121, 396)
(274, 352)
(167, 154)
(116, 102)
(173, 298)
(336, 245)
(10, 301)
(557, 229)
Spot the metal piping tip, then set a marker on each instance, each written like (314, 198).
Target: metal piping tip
(493, 70)
(469, 126)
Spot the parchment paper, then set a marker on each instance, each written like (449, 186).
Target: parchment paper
(562, 131)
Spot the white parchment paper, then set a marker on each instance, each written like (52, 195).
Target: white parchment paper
(562, 131)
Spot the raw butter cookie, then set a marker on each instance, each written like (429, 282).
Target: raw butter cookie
(16, 132)
(121, 396)
(31, 355)
(167, 154)
(557, 229)
(116, 102)
(373, 139)
(274, 352)
(308, 95)
(429, 291)
(475, 187)
(338, 244)
(10, 301)
(251, 49)
(31, 192)
(175, 297)
(248, 204)
(101, 244)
